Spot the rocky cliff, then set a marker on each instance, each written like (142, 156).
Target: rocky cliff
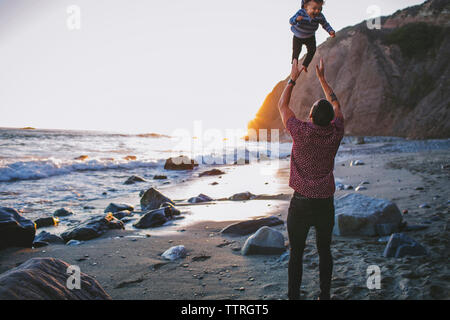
(390, 82)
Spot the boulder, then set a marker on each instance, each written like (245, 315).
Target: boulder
(46, 222)
(15, 230)
(180, 163)
(400, 245)
(359, 215)
(47, 279)
(200, 198)
(251, 226)
(134, 179)
(117, 207)
(47, 237)
(213, 172)
(92, 228)
(157, 217)
(265, 241)
(152, 199)
(242, 196)
(63, 212)
(174, 253)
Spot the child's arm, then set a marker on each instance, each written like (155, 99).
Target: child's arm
(327, 26)
(297, 17)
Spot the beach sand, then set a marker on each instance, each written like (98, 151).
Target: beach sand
(128, 264)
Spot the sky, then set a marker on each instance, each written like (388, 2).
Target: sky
(150, 65)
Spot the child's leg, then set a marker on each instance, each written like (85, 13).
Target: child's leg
(296, 48)
(311, 46)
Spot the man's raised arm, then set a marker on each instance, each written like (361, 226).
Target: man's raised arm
(283, 105)
(329, 93)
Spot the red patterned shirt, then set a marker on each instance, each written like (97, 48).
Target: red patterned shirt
(312, 157)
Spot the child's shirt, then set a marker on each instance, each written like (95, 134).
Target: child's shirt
(307, 27)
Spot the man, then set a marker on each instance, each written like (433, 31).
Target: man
(316, 143)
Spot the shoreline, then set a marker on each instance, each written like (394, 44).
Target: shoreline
(129, 266)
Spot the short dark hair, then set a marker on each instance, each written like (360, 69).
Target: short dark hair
(304, 2)
(322, 113)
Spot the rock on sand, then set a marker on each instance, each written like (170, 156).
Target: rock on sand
(357, 214)
(46, 279)
(265, 241)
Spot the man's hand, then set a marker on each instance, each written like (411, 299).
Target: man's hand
(320, 70)
(299, 18)
(295, 72)
(332, 34)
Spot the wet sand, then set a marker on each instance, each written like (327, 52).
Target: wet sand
(128, 263)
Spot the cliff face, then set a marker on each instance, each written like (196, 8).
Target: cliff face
(390, 82)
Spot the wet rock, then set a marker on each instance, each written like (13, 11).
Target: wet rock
(348, 187)
(175, 253)
(400, 245)
(128, 158)
(46, 222)
(360, 188)
(266, 241)
(117, 207)
(213, 172)
(340, 186)
(251, 226)
(356, 163)
(40, 244)
(153, 199)
(200, 198)
(364, 183)
(82, 157)
(214, 183)
(158, 217)
(47, 237)
(424, 206)
(134, 179)
(74, 243)
(160, 177)
(180, 163)
(122, 214)
(15, 230)
(242, 196)
(46, 279)
(356, 214)
(63, 212)
(92, 228)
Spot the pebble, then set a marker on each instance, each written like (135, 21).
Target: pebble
(356, 163)
(424, 206)
(360, 188)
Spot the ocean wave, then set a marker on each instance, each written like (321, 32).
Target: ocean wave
(40, 169)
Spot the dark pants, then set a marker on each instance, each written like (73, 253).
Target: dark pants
(304, 213)
(310, 46)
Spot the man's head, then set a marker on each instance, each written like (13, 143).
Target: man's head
(313, 7)
(322, 113)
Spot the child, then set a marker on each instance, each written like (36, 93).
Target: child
(304, 26)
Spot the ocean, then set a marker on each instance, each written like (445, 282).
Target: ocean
(41, 170)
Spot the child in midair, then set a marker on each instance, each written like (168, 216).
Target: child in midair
(304, 26)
